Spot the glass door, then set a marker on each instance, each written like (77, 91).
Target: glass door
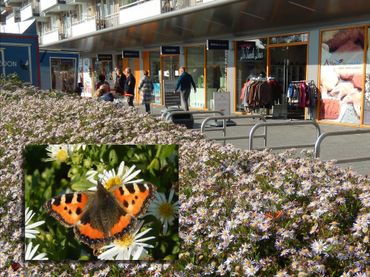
(169, 73)
(288, 66)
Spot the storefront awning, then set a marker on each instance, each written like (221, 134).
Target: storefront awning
(219, 19)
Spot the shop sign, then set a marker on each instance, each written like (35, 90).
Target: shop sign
(130, 54)
(104, 57)
(170, 50)
(217, 44)
(249, 51)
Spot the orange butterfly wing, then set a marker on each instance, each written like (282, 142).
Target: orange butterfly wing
(134, 198)
(68, 208)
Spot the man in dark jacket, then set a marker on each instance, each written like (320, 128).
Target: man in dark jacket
(184, 83)
(119, 85)
(130, 86)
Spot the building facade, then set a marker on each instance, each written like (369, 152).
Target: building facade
(269, 56)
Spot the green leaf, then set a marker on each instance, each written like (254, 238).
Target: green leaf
(81, 184)
(113, 159)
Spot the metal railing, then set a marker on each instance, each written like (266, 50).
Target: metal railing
(290, 123)
(203, 128)
(320, 139)
(112, 20)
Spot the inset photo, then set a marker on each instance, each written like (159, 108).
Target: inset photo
(101, 202)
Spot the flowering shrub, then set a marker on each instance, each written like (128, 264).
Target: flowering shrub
(242, 213)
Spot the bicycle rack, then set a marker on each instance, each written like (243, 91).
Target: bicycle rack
(320, 139)
(290, 123)
(171, 113)
(203, 128)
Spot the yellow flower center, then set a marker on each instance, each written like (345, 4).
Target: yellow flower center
(125, 241)
(61, 155)
(115, 181)
(166, 210)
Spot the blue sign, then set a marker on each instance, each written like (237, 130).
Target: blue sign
(170, 50)
(19, 54)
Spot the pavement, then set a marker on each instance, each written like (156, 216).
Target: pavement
(332, 147)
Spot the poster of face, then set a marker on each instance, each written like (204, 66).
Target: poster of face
(341, 82)
(367, 86)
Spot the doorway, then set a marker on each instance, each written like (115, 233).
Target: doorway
(169, 73)
(288, 65)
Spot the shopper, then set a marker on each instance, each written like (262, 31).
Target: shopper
(184, 83)
(104, 94)
(129, 86)
(146, 89)
(119, 84)
(102, 81)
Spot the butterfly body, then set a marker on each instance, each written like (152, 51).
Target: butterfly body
(102, 216)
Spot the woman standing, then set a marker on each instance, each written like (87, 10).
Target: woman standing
(146, 90)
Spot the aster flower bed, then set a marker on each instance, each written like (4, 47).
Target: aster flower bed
(241, 212)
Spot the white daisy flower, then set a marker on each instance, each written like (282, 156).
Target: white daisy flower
(130, 247)
(30, 253)
(163, 209)
(110, 178)
(30, 231)
(319, 246)
(58, 152)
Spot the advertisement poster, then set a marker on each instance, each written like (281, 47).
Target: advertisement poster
(157, 93)
(367, 86)
(341, 84)
(87, 85)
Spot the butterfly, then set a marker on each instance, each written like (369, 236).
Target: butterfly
(98, 217)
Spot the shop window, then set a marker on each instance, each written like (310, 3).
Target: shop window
(289, 38)
(251, 61)
(154, 61)
(63, 74)
(104, 67)
(195, 66)
(216, 73)
(341, 80)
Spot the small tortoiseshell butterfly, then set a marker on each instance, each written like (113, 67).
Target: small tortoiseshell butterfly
(100, 216)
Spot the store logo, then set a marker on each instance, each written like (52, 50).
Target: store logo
(8, 63)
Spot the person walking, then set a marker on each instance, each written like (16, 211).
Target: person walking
(129, 86)
(184, 83)
(146, 89)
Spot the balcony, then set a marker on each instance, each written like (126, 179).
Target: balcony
(86, 26)
(13, 2)
(75, 2)
(111, 20)
(14, 17)
(172, 5)
(29, 11)
(50, 37)
(139, 10)
(54, 6)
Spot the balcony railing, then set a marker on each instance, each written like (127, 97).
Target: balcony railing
(111, 20)
(172, 5)
(29, 11)
(53, 5)
(51, 36)
(88, 25)
(139, 10)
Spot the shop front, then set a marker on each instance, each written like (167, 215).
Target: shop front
(270, 74)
